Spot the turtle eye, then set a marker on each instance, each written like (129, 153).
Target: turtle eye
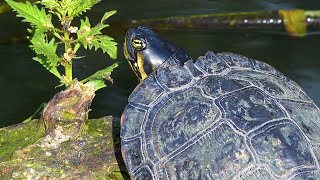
(138, 44)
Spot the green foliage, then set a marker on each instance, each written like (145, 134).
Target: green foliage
(107, 15)
(47, 37)
(76, 7)
(106, 43)
(50, 4)
(31, 14)
(46, 52)
(98, 78)
(91, 37)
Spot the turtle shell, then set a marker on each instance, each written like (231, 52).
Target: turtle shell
(223, 116)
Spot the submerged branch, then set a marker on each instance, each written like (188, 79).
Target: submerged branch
(294, 22)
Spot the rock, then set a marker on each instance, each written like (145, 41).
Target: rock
(63, 144)
(26, 152)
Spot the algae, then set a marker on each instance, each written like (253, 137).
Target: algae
(94, 154)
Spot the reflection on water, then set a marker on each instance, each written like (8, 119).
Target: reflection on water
(25, 84)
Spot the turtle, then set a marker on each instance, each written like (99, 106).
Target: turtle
(221, 116)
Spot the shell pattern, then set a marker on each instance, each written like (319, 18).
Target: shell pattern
(223, 116)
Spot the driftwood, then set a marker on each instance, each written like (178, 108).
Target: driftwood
(296, 22)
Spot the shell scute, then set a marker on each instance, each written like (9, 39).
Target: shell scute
(236, 60)
(144, 173)
(249, 108)
(215, 85)
(273, 85)
(195, 72)
(307, 117)
(129, 117)
(282, 148)
(179, 118)
(219, 154)
(211, 63)
(172, 74)
(309, 175)
(146, 92)
(133, 156)
(266, 68)
(256, 174)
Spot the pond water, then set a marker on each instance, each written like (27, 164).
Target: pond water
(25, 84)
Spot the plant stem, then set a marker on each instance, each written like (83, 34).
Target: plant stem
(68, 71)
(68, 64)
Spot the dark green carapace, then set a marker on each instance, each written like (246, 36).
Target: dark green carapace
(222, 116)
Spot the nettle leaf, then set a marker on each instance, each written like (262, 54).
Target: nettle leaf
(86, 30)
(46, 52)
(31, 14)
(50, 4)
(97, 29)
(85, 22)
(83, 30)
(105, 43)
(45, 62)
(98, 78)
(91, 37)
(107, 15)
(77, 7)
(102, 74)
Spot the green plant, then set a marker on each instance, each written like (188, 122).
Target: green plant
(46, 37)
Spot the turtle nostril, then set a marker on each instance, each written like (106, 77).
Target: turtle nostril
(127, 35)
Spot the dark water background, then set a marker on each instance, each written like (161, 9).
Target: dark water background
(25, 84)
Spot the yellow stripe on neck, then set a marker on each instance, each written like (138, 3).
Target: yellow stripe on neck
(141, 69)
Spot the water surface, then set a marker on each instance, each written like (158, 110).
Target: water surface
(25, 84)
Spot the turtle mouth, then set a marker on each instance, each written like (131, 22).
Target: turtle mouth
(130, 54)
(128, 50)
(127, 54)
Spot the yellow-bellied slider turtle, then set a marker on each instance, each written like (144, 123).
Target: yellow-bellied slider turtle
(222, 116)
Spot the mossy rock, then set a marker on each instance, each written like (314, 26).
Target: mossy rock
(26, 152)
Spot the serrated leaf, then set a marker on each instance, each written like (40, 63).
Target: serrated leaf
(46, 52)
(82, 33)
(107, 44)
(102, 74)
(31, 14)
(50, 4)
(98, 84)
(76, 47)
(97, 29)
(77, 7)
(46, 63)
(107, 15)
(93, 31)
(40, 45)
(84, 22)
(103, 42)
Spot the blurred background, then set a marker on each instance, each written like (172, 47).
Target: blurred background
(25, 84)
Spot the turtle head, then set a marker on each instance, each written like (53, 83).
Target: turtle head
(146, 51)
